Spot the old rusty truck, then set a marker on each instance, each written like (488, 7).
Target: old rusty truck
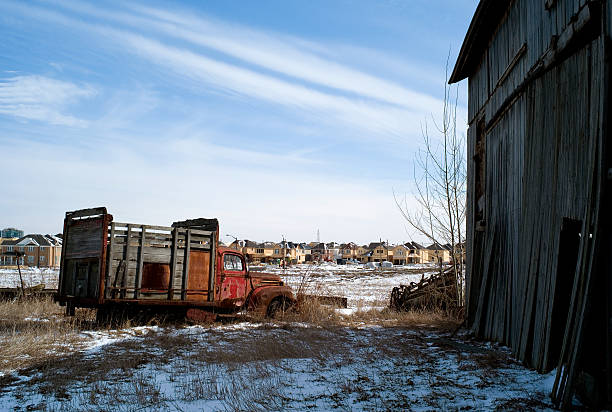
(128, 267)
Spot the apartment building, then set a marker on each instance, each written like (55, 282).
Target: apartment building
(11, 233)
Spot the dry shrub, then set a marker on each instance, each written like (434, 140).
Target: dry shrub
(309, 309)
(438, 319)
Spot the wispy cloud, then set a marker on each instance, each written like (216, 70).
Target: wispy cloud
(283, 70)
(371, 117)
(286, 55)
(41, 98)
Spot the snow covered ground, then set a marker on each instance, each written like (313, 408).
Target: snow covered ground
(9, 278)
(365, 288)
(268, 366)
(254, 366)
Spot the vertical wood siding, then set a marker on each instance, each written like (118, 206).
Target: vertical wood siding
(539, 171)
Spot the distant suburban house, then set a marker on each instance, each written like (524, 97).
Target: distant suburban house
(333, 251)
(416, 253)
(437, 253)
(38, 251)
(319, 252)
(380, 252)
(348, 250)
(400, 254)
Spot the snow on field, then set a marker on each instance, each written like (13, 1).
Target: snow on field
(254, 366)
(9, 278)
(364, 288)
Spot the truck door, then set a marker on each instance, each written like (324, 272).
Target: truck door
(233, 280)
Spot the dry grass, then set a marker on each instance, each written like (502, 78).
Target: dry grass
(311, 311)
(244, 368)
(32, 330)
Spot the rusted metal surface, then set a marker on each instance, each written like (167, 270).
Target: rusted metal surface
(155, 277)
(199, 315)
(199, 276)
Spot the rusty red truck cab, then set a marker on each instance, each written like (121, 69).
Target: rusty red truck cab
(237, 287)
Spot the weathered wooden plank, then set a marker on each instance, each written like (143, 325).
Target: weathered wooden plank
(196, 232)
(148, 227)
(173, 263)
(127, 264)
(109, 261)
(185, 275)
(141, 250)
(95, 211)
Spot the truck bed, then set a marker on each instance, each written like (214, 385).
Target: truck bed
(105, 261)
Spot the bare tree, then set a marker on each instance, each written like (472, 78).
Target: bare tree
(440, 185)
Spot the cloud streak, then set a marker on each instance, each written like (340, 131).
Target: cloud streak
(281, 70)
(369, 116)
(41, 98)
(285, 55)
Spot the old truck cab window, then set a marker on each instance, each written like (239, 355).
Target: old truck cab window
(232, 263)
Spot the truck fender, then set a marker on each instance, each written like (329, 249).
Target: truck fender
(260, 298)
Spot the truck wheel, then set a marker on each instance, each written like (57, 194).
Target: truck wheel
(277, 306)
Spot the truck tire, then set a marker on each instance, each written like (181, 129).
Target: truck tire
(277, 306)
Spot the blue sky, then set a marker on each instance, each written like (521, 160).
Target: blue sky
(277, 117)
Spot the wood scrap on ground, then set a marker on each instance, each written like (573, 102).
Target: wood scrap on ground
(438, 291)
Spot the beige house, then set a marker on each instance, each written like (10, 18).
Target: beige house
(38, 251)
(362, 253)
(255, 252)
(399, 254)
(416, 253)
(298, 252)
(379, 252)
(436, 253)
(348, 251)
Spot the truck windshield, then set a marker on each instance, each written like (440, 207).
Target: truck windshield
(232, 262)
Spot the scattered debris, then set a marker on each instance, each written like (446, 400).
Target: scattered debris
(438, 291)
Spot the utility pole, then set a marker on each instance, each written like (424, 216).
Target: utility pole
(235, 241)
(19, 255)
(284, 251)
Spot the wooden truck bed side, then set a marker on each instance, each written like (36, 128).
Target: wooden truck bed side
(83, 252)
(159, 263)
(105, 261)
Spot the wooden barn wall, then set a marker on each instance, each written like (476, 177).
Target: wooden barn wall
(520, 41)
(537, 174)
